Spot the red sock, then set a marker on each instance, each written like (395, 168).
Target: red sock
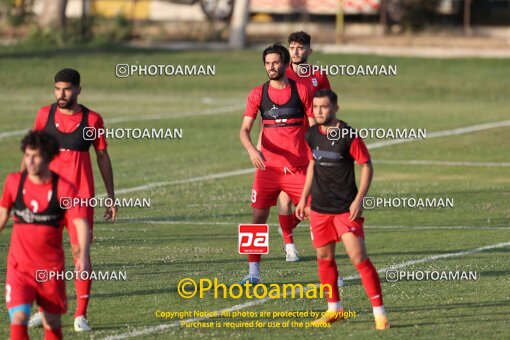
(254, 257)
(370, 281)
(287, 224)
(328, 274)
(19, 332)
(296, 221)
(53, 334)
(82, 295)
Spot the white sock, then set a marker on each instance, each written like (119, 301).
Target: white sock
(379, 310)
(289, 246)
(254, 269)
(335, 306)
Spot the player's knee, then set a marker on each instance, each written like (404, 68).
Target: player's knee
(53, 323)
(325, 254)
(358, 258)
(260, 215)
(285, 205)
(19, 315)
(325, 257)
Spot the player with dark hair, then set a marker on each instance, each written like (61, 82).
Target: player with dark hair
(336, 205)
(76, 129)
(300, 50)
(36, 243)
(284, 106)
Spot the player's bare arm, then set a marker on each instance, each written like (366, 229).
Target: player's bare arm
(356, 208)
(301, 210)
(4, 216)
(259, 142)
(256, 156)
(105, 167)
(83, 232)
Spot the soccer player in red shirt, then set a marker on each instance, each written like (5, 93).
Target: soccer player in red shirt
(300, 71)
(285, 106)
(336, 205)
(70, 123)
(300, 49)
(36, 243)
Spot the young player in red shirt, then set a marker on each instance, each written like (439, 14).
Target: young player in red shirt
(285, 106)
(76, 128)
(36, 243)
(336, 205)
(300, 50)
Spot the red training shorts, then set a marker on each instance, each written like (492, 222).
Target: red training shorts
(22, 287)
(268, 184)
(327, 228)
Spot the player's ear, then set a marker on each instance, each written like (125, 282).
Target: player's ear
(311, 51)
(78, 90)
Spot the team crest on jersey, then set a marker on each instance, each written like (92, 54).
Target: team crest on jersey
(315, 82)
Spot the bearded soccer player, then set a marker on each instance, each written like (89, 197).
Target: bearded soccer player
(336, 205)
(300, 49)
(300, 71)
(36, 243)
(281, 163)
(76, 128)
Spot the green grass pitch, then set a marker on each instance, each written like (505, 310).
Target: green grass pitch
(190, 230)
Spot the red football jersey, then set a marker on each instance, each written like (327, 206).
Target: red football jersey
(38, 246)
(73, 165)
(285, 146)
(315, 82)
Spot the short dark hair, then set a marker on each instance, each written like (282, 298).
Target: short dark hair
(278, 49)
(333, 98)
(43, 141)
(300, 37)
(68, 75)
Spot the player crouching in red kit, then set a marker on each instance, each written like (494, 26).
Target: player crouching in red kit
(336, 207)
(34, 195)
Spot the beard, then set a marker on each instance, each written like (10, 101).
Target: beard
(302, 60)
(279, 74)
(327, 121)
(65, 104)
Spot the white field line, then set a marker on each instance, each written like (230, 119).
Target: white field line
(445, 163)
(452, 132)
(183, 181)
(114, 120)
(162, 327)
(458, 131)
(460, 227)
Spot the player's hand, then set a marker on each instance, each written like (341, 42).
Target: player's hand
(257, 158)
(302, 211)
(355, 209)
(82, 265)
(110, 213)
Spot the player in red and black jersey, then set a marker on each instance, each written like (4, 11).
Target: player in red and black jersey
(336, 206)
(34, 197)
(70, 123)
(300, 50)
(281, 163)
